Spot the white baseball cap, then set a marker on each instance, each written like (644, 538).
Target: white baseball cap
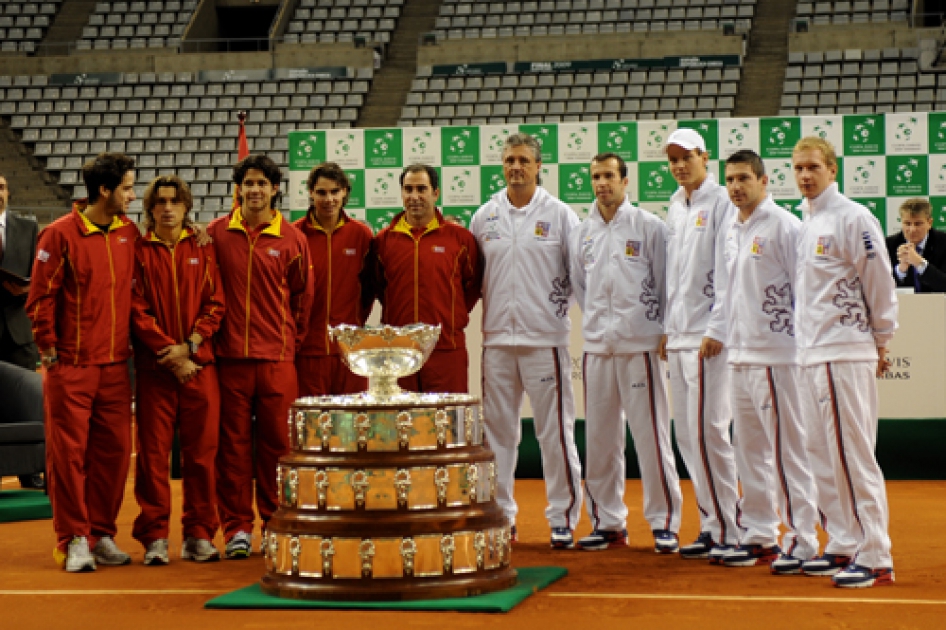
(686, 138)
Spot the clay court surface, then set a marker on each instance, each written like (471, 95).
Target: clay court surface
(625, 588)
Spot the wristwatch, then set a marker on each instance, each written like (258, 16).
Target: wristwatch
(192, 347)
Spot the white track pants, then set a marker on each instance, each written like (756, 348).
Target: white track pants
(771, 447)
(702, 416)
(842, 407)
(545, 375)
(634, 384)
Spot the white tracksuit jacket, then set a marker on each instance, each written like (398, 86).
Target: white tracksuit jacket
(760, 309)
(618, 276)
(846, 303)
(696, 268)
(526, 289)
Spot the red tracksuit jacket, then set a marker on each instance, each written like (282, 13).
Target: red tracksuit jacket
(268, 284)
(344, 288)
(432, 276)
(177, 293)
(80, 296)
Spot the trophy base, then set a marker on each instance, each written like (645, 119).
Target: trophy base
(404, 589)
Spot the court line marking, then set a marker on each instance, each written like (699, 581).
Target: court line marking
(115, 592)
(751, 598)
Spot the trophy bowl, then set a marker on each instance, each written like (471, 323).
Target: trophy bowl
(386, 353)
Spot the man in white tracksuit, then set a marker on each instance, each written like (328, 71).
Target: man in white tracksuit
(618, 267)
(699, 215)
(769, 434)
(523, 233)
(846, 315)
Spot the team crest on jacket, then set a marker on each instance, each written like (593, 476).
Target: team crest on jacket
(701, 218)
(438, 249)
(193, 261)
(543, 229)
(632, 249)
(758, 246)
(351, 251)
(588, 250)
(825, 246)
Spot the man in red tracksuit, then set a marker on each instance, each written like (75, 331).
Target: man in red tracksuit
(80, 305)
(339, 247)
(429, 271)
(268, 284)
(177, 305)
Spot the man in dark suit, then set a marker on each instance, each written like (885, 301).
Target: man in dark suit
(918, 252)
(17, 250)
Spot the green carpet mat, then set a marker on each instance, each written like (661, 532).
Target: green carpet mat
(531, 580)
(24, 505)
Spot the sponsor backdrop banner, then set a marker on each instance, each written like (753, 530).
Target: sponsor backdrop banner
(883, 159)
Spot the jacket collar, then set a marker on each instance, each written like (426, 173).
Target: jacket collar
(237, 222)
(311, 224)
(152, 237)
(680, 195)
(822, 202)
(86, 227)
(623, 210)
(399, 223)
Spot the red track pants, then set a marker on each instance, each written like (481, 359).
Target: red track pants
(88, 442)
(250, 389)
(327, 375)
(444, 372)
(193, 408)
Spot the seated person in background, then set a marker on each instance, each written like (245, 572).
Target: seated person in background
(918, 252)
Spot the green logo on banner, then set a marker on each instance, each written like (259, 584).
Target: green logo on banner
(864, 135)
(878, 208)
(738, 135)
(344, 146)
(491, 181)
(620, 138)
(907, 175)
(654, 182)
(907, 130)
(708, 129)
(574, 183)
(779, 136)
(385, 184)
(864, 173)
(936, 124)
(357, 197)
(380, 218)
(790, 205)
(463, 214)
(939, 212)
(383, 148)
(459, 183)
(460, 146)
(306, 149)
(547, 135)
(578, 140)
(823, 129)
(420, 145)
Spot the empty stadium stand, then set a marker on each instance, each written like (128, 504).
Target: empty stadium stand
(566, 96)
(23, 24)
(860, 81)
(467, 19)
(856, 12)
(343, 21)
(122, 25)
(171, 122)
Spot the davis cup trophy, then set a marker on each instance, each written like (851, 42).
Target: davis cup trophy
(387, 495)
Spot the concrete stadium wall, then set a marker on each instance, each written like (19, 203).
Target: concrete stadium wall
(845, 36)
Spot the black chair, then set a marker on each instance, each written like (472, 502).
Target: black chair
(22, 435)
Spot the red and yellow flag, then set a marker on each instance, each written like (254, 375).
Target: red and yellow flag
(243, 151)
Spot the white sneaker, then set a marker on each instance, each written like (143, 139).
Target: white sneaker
(240, 546)
(78, 557)
(199, 550)
(107, 552)
(157, 553)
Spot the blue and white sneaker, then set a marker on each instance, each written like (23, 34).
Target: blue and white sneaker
(719, 553)
(562, 538)
(825, 566)
(859, 576)
(786, 564)
(665, 541)
(751, 555)
(601, 539)
(699, 548)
